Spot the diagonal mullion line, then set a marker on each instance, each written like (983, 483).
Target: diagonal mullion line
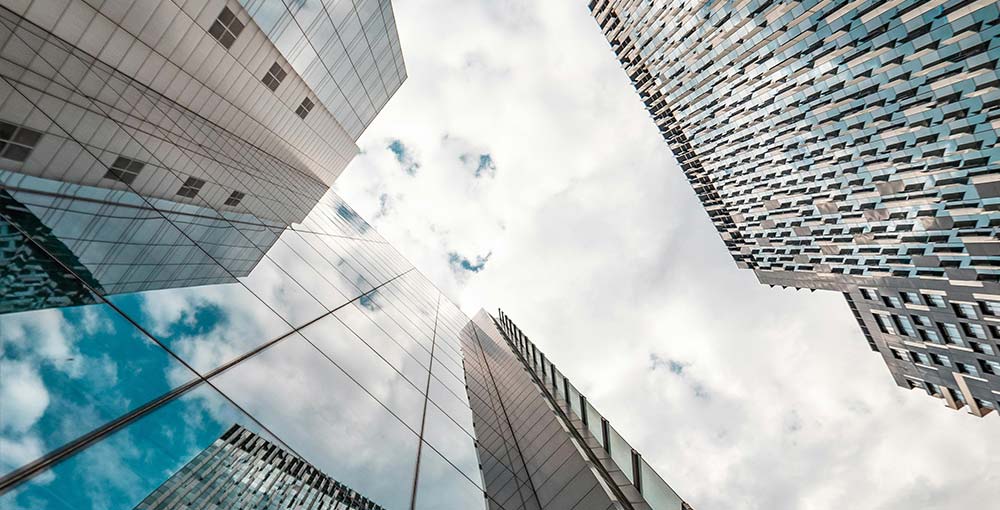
(423, 416)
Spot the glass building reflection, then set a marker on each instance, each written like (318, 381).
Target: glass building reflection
(244, 470)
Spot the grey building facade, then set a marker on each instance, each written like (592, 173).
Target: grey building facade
(844, 146)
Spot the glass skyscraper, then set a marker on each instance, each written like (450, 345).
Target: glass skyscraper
(190, 318)
(845, 146)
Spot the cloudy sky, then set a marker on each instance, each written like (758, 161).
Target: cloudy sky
(518, 169)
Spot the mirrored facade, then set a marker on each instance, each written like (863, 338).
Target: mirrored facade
(844, 146)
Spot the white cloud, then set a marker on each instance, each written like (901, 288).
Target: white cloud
(23, 396)
(46, 334)
(602, 254)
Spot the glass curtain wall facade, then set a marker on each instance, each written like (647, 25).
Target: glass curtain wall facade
(840, 146)
(333, 349)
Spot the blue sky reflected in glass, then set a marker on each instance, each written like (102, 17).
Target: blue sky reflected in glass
(123, 468)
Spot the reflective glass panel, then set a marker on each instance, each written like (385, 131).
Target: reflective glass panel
(442, 487)
(320, 412)
(127, 466)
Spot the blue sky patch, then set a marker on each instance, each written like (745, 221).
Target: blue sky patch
(404, 156)
(383, 205)
(352, 217)
(459, 263)
(483, 162)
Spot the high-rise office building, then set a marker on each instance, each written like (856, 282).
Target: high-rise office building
(845, 146)
(243, 470)
(173, 264)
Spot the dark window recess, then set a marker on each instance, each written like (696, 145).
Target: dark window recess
(304, 108)
(274, 76)
(606, 434)
(17, 142)
(235, 199)
(226, 28)
(191, 187)
(124, 170)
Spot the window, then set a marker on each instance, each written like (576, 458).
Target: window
(965, 310)
(191, 187)
(920, 319)
(982, 348)
(929, 335)
(957, 396)
(951, 333)
(226, 28)
(124, 170)
(896, 353)
(892, 301)
(904, 325)
(935, 300)
(274, 76)
(17, 142)
(885, 324)
(974, 330)
(919, 357)
(985, 404)
(941, 359)
(966, 369)
(990, 366)
(911, 298)
(869, 294)
(933, 389)
(990, 307)
(911, 383)
(304, 108)
(235, 199)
